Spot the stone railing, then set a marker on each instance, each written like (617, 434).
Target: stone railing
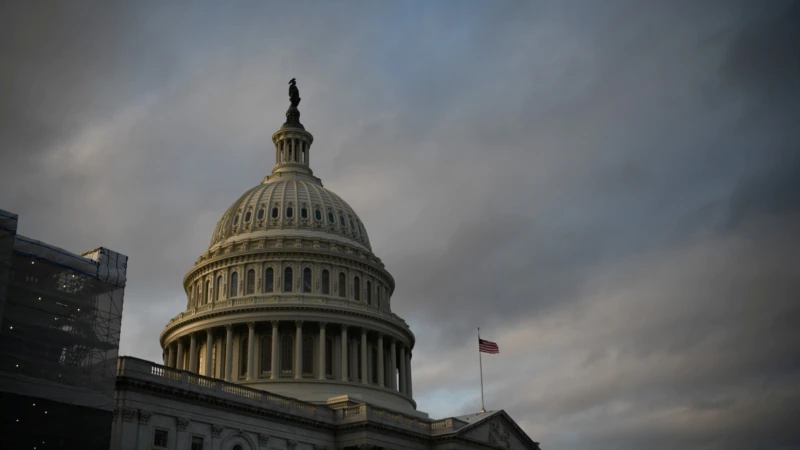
(140, 369)
(256, 300)
(385, 416)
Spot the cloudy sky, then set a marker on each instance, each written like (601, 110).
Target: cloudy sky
(610, 190)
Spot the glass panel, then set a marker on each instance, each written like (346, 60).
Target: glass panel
(234, 284)
(342, 285)
(266, 354)
(307, 279)
(287, 354)
(326, 282)
(287, 279)
(251, 281)
(356, 288)
(308, 355)
(269, 280)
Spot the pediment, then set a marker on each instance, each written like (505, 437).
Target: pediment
(499, 431)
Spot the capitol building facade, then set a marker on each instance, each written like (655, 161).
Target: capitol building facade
(288, 340)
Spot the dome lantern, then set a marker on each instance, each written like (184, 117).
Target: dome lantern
(292, 141)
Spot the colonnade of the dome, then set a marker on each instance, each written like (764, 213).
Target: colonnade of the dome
(295, 350)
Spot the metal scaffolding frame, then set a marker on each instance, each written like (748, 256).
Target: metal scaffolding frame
(62, 313)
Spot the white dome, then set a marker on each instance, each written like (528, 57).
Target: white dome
(294, 207)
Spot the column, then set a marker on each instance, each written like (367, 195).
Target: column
(251, 345)
(298, 351)
(393, 364)
(179, 364)
(228, 352)
(343, 375)
(275, 369)
(171, 356)
(192, 353)
(381, 377)
(403, 386)
(209, 352)
(364, 365)
(408, 374)
(321, 363)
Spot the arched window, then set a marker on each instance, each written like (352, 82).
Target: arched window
(237, 447)
(269, 280)
(251, 281)
(326, 282)
(289, 212)
(218, 288)
(342, 285)
(378, 299)
(266, 354)
(318, 214)
(307, 279)
(287, 354)
(275, 212)
(342, 223)
(261, 214)
(234, 287)
(329, 357)
(304, 213)
(287, 279)
(243, 353)
(330, 217)
(247, 216)
(208, 291)
(369, 292)
(374, 365)
(308, 355)
(236, 220)
(356, 288)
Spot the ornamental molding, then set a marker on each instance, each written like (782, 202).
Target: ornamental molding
(290, 445)
(144, 416)
(216, 430)
(128, 414)
(181, 423)
(263, 439)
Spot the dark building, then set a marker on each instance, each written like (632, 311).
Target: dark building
(60, 315)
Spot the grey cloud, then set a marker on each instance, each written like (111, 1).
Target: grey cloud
(607, 190)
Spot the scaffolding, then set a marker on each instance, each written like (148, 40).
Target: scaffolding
(60, 312)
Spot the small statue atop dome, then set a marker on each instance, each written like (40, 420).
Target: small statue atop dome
(294, 93)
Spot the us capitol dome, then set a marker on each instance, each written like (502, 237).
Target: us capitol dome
(289, 298)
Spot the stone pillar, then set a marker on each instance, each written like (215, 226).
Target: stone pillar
(403, 386)
(228, 352)
(298, 350)
(179, 364)
(321, 362)
(209, 352)
(364, 365)
(171, 356)
(251, 345)
(192, 353)
(408, 373)
(275, 370)
(381, 377)
(393, 364)
(343, 375)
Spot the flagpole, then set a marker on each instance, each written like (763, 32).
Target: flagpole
(480, 363)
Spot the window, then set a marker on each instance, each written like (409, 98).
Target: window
(236, 220)
(287, 279)
(269, 280)
(369, 292)
(243, 353)
(330, 217)
(342, 222)
(261, 214)
(326, 282)
(329, 357)
(237, 447)
(218, 288)
(352, 226)
(287, 353)
(289, 212)
(197, 443)
(251, 281)
(307, 279)
(308, 355)
(318, 214)
(378, 303)
(160, 438)
(342, 285)
(304, 213)
(247, 216)
(208, 291)
(234, 284)
(356, 288)
(275, 212)
(266, 354)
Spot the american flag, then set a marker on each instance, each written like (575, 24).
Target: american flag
(487, 346)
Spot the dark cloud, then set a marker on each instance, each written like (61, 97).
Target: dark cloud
(608, 190)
